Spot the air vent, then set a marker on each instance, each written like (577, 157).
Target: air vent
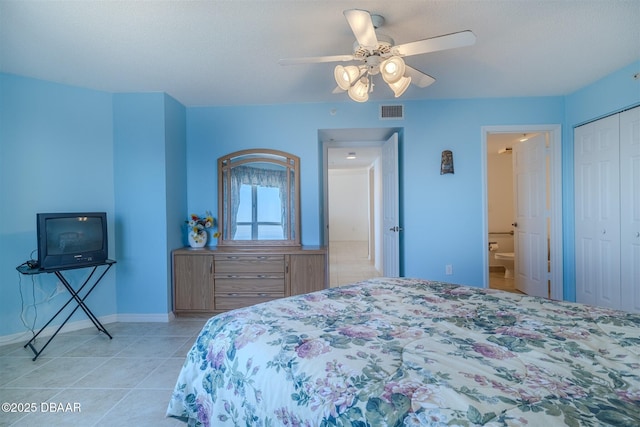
(391, 112)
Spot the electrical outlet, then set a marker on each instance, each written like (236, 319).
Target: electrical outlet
(448, 269)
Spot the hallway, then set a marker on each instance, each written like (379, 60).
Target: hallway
(349, 263)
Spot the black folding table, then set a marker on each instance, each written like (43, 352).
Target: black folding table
(75, 296)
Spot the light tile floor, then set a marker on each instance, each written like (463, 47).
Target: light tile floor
(349, 263)
(125, 381)
(498, 281)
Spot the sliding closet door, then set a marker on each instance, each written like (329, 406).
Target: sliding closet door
(630, 208)
(597, 212)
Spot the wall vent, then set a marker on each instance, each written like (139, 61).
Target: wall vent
(391, 112)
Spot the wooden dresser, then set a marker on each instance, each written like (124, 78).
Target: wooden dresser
(213, 280)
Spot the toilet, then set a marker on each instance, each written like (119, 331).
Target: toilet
(505, 259)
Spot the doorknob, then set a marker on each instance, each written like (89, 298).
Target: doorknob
(515, 224)
(396, 228)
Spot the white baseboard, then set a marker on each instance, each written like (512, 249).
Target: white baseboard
(151, 317)
(23, 337)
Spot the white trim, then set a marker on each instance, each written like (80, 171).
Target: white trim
(555, 131)
(23, 337)
(146, 318)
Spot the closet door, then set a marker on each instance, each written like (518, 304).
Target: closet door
(630, 208)
(597, 212)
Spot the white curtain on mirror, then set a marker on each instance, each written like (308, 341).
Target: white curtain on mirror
(247, 175)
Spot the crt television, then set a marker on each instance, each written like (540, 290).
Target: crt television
(70, 240)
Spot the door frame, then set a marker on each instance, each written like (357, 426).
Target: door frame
(347, 143)
(555, 239)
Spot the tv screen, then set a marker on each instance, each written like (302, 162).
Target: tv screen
(69, 240)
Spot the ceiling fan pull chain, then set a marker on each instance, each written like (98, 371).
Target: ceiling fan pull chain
(362, 74)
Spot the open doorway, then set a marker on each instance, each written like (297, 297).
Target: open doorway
(523, 208)
(354, 210)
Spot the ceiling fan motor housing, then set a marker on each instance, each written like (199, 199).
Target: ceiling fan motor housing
(384, 48)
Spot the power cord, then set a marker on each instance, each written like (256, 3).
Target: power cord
(34, 304)
(24, 307)
(48, 297)
(33, 299)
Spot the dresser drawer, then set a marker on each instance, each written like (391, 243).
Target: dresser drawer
(232, 302)
(249, 264)
(250, 285)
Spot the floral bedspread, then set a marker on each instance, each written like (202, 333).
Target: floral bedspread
(407, 352)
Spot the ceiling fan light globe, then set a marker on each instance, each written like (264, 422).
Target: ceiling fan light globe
(400, 86)
(342, 77)
(345, 76)
(359, 92)
(392, 69)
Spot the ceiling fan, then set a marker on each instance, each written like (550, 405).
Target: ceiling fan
(377, 54)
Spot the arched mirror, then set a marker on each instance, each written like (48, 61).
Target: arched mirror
(259, 198)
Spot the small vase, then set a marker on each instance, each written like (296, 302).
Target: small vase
(197, 240)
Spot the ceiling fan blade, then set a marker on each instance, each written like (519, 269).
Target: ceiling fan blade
(362, 27)
(418, 78)
(338, 89)
(434, 44)
(316, 59)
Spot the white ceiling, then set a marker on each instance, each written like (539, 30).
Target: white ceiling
(223, 52)
(499, 141)
(365, 156)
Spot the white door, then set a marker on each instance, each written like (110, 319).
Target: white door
(630, 208)
(530, 186)
(390, 215)
(597, 212)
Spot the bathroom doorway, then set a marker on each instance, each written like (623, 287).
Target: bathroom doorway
(500, 212)
(523, 208)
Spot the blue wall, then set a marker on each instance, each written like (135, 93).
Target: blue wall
(154, 161)
(56, 155)
(176, 183)
(441, 215)
(149, 144)
(64, 148)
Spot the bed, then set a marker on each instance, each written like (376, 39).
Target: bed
(408, 352)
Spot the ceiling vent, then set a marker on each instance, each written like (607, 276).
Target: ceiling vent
(391, 112)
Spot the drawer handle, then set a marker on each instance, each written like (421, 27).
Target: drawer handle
(263, 295)
(232, 257)
(262, 276)
(232, 295)
(262, 257)
(231, 276)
